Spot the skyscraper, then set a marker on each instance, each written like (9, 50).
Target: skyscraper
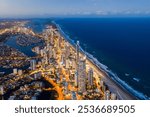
(82, 75)
(77, 62)
(33, 64)
(15, 71)
(90, 77)
(67, 64)
(113, 96)
(67, 50)
(50, 52)
(107, 95)
(1, 90)
(51, 35)
(77, 52)
(76, 78)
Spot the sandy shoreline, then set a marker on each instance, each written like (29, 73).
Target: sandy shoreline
(114, 87)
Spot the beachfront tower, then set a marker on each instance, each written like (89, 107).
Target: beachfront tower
(33, 64)
(51, 35)
(1, 90)
(90, 77)
(77, 61)
(113, 96)
(107, 95)
(76, 78)
(67, 50)
(82, 75)
(77, 52)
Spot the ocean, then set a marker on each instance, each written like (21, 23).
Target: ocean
(121, 45)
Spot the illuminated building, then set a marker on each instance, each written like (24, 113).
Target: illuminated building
(62, 59)
(54, 54)
(20, 72)
(90, 77)
(39, 63)
(1, 90)
(50, 53)
(67, 64)
(77, 62)
(77, 52)
(15, 72)
(46, 59)
(76, 78)
(73, 64)
(42, 52)
(107, 95)
(66, 88)
(33, 64)
(37, 50)
(51, 35)
(82, 75)
(67, 50)
(113, 96)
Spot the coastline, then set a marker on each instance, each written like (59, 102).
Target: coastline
(121, 92)
(114, 87)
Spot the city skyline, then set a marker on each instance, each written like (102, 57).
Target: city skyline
(46, 8)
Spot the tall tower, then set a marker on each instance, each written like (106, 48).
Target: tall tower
(67, 50)
(77, 52)
(107, 95)
(1, 90)
(113, 96)
(51, 35)
(77, 62)
(33, 64)
(76, 78)
(82, 75)
(90, 77)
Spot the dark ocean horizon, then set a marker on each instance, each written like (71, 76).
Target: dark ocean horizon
(122, 44)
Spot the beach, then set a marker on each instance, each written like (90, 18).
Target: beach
(122, 94)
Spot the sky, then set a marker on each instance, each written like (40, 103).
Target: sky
(14, 8)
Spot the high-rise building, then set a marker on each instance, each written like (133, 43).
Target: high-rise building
(90, 77)
(67, 50)
(77, 62)
(76, 78)
(15, 72)
(77, 52)
(37, 75)
(46, 59)
(1, 90)
(20, 72)
(82, 75)
(66, 88)
(39, 63)
(33, 64)
(42, 52)
(67, 64)
(50, 52)
(51, 35)
(37, 50)
(62, 59)
(107, 95)
(54, 54)
(73, 64)
(113, 96)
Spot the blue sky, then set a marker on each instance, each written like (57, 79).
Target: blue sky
(73, 7)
